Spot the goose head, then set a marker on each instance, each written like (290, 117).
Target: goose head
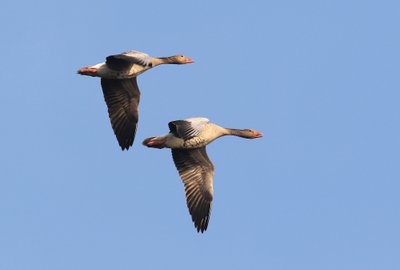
(180, 59)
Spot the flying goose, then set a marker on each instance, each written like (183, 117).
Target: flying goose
(121, 92)
(188, 139)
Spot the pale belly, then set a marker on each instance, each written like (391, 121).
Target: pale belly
(174, 142)
(104, 72)
(195, 142)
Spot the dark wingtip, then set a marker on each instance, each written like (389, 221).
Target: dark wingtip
(201, 225)
(125, 146)
(201, 229)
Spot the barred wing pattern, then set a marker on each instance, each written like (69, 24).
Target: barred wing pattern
(122, 98)
(196, 171)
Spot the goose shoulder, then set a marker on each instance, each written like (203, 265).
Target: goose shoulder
(188, 128)
(124, 61)
(128, 64)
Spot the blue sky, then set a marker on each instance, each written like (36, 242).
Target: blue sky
(318, 78)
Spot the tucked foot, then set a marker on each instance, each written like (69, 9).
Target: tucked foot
(154, 142)
(87, 71)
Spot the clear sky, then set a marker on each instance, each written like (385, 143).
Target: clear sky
(320, 79)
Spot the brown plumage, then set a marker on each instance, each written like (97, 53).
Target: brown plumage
(197, 172)
(121, 92)
(122, 98)
(188, 139)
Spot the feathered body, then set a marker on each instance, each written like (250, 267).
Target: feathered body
(188, 139)
(121, 92)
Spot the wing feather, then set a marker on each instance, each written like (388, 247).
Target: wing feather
(122, 98)
(187, 128)
(197, 172)
(125, 60)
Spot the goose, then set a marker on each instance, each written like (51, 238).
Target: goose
(121, 92)
(188, 139)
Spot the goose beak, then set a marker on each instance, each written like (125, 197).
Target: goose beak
(188, 61)
(258, 134)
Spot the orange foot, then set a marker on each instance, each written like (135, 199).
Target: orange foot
(154, 142)
(87, 71)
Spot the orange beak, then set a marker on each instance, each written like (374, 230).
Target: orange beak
(258, 134)
(188, 61)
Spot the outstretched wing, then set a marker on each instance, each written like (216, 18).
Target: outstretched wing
(125, 60)
(122, 98)
(196, 171)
